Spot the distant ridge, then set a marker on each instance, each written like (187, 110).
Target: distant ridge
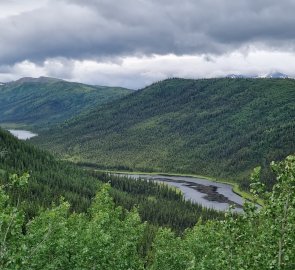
(41, 79)
(272, 75)
(237, 76)
(277, 75)
(44, 101)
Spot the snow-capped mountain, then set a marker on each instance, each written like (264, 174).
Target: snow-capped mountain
(235, 76)
(277, 75)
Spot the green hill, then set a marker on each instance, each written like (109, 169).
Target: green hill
(215, 127)
(44, 101)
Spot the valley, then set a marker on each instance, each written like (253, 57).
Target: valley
(79, 173)
(197, 131)
(147, 135)
(51, 179)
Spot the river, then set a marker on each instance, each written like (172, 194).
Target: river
(210, 194)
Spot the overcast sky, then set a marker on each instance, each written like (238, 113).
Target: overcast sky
(132, 43)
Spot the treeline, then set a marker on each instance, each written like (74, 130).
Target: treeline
(51, 179)
(107, 237)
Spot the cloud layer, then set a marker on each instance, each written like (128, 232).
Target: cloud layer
(92, 33)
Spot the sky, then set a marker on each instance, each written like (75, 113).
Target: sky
(132, 43)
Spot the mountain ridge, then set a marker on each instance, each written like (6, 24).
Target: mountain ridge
(43, 101)
(271, 75)
(40, 79)
(215, 127)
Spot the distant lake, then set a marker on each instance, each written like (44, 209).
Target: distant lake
(22, 134)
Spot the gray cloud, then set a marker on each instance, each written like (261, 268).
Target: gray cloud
(104, 29)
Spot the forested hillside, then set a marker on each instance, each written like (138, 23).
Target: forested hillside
(51, 179)
(215, 127)
(44, 101)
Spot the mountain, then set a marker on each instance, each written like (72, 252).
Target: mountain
(272, 75)
(277, 75)
(42, 101)
(236, 76)
(41, 79)
(215, 127)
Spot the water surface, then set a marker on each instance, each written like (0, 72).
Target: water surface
(210, 194)
(22, 134)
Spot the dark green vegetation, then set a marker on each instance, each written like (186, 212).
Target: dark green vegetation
(215, 127)
(50, 179)
(110, 238)
(157, 204)
(43, 101)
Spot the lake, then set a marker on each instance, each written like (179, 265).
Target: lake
(22, 134)
(210, 194)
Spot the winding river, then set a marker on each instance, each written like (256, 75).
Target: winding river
(210, 194)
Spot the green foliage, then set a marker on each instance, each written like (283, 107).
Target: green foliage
(11, 224)
(45, 101)
(56, 239)
(174, 258)
(216, 127)
(111, 238)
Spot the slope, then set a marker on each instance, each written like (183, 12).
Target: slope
(215, 127)
(44, 101)
(49, 179)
